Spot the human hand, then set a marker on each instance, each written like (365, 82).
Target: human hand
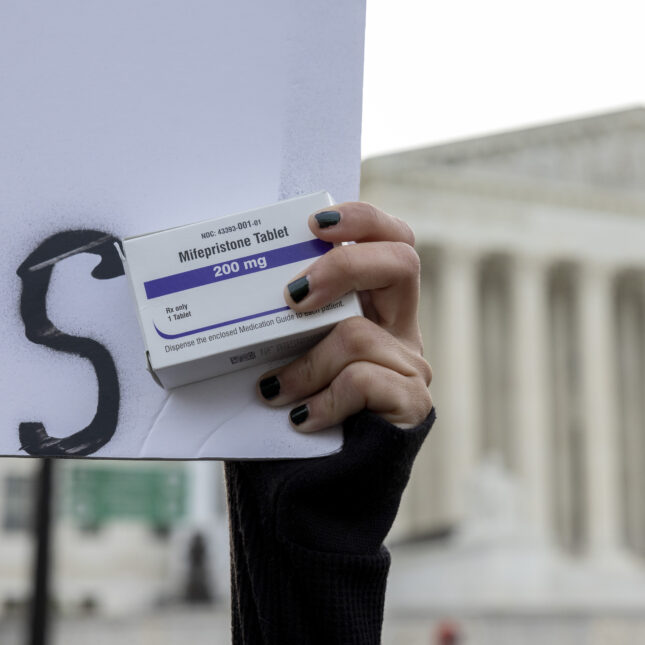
(374, 362)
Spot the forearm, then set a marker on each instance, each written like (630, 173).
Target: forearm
(308, 562)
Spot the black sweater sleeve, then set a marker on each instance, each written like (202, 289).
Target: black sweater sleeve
(308, 563)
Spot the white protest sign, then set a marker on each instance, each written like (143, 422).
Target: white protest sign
(126, 117)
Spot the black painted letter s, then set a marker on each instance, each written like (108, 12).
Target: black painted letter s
(35, 273)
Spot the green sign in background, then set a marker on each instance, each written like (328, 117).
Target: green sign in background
(154, 495)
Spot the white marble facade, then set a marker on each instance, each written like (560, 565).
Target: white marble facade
(533, 311)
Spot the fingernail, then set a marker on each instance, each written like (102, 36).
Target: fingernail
(327, 218)
(270, 387)
(299, 414)
(298, 289)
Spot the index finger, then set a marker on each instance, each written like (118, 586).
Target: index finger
(359, 222)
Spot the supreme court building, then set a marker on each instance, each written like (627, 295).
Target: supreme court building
(533, 313)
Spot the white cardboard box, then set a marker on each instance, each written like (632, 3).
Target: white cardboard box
(209, 295)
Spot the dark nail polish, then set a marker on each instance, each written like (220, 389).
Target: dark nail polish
(298, 289)
(299, 414)
(270, 387)
(327, 218)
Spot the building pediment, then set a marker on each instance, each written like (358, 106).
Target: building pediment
(604, 152)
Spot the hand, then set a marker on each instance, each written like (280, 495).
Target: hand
(374, 362)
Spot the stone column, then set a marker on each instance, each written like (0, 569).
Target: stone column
(432, 463)
(599, 409)
(531, 396)
(630, 399)
(459, 408)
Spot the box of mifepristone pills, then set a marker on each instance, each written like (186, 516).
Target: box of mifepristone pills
(209, 296)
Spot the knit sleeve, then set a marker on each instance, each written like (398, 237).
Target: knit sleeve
(308, 563)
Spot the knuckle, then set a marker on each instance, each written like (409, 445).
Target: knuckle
(426, 372)
(331, 399)
(408, 258)
(377, 217)
(361, 379)
(420, 403)
(355, 379)
(421, 368)
(354, 336)
(372, 213)
(364, 211)
(406, 232)
(341, 258)
(306, 370)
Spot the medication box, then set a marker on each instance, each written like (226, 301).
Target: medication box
(209, 295)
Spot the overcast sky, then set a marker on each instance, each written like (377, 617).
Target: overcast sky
(442, 70)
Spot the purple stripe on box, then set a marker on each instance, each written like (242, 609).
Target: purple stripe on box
(222, 324)
(235, 267)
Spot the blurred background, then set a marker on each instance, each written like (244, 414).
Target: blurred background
(512, 139)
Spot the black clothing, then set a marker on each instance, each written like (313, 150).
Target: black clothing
(308, 564)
